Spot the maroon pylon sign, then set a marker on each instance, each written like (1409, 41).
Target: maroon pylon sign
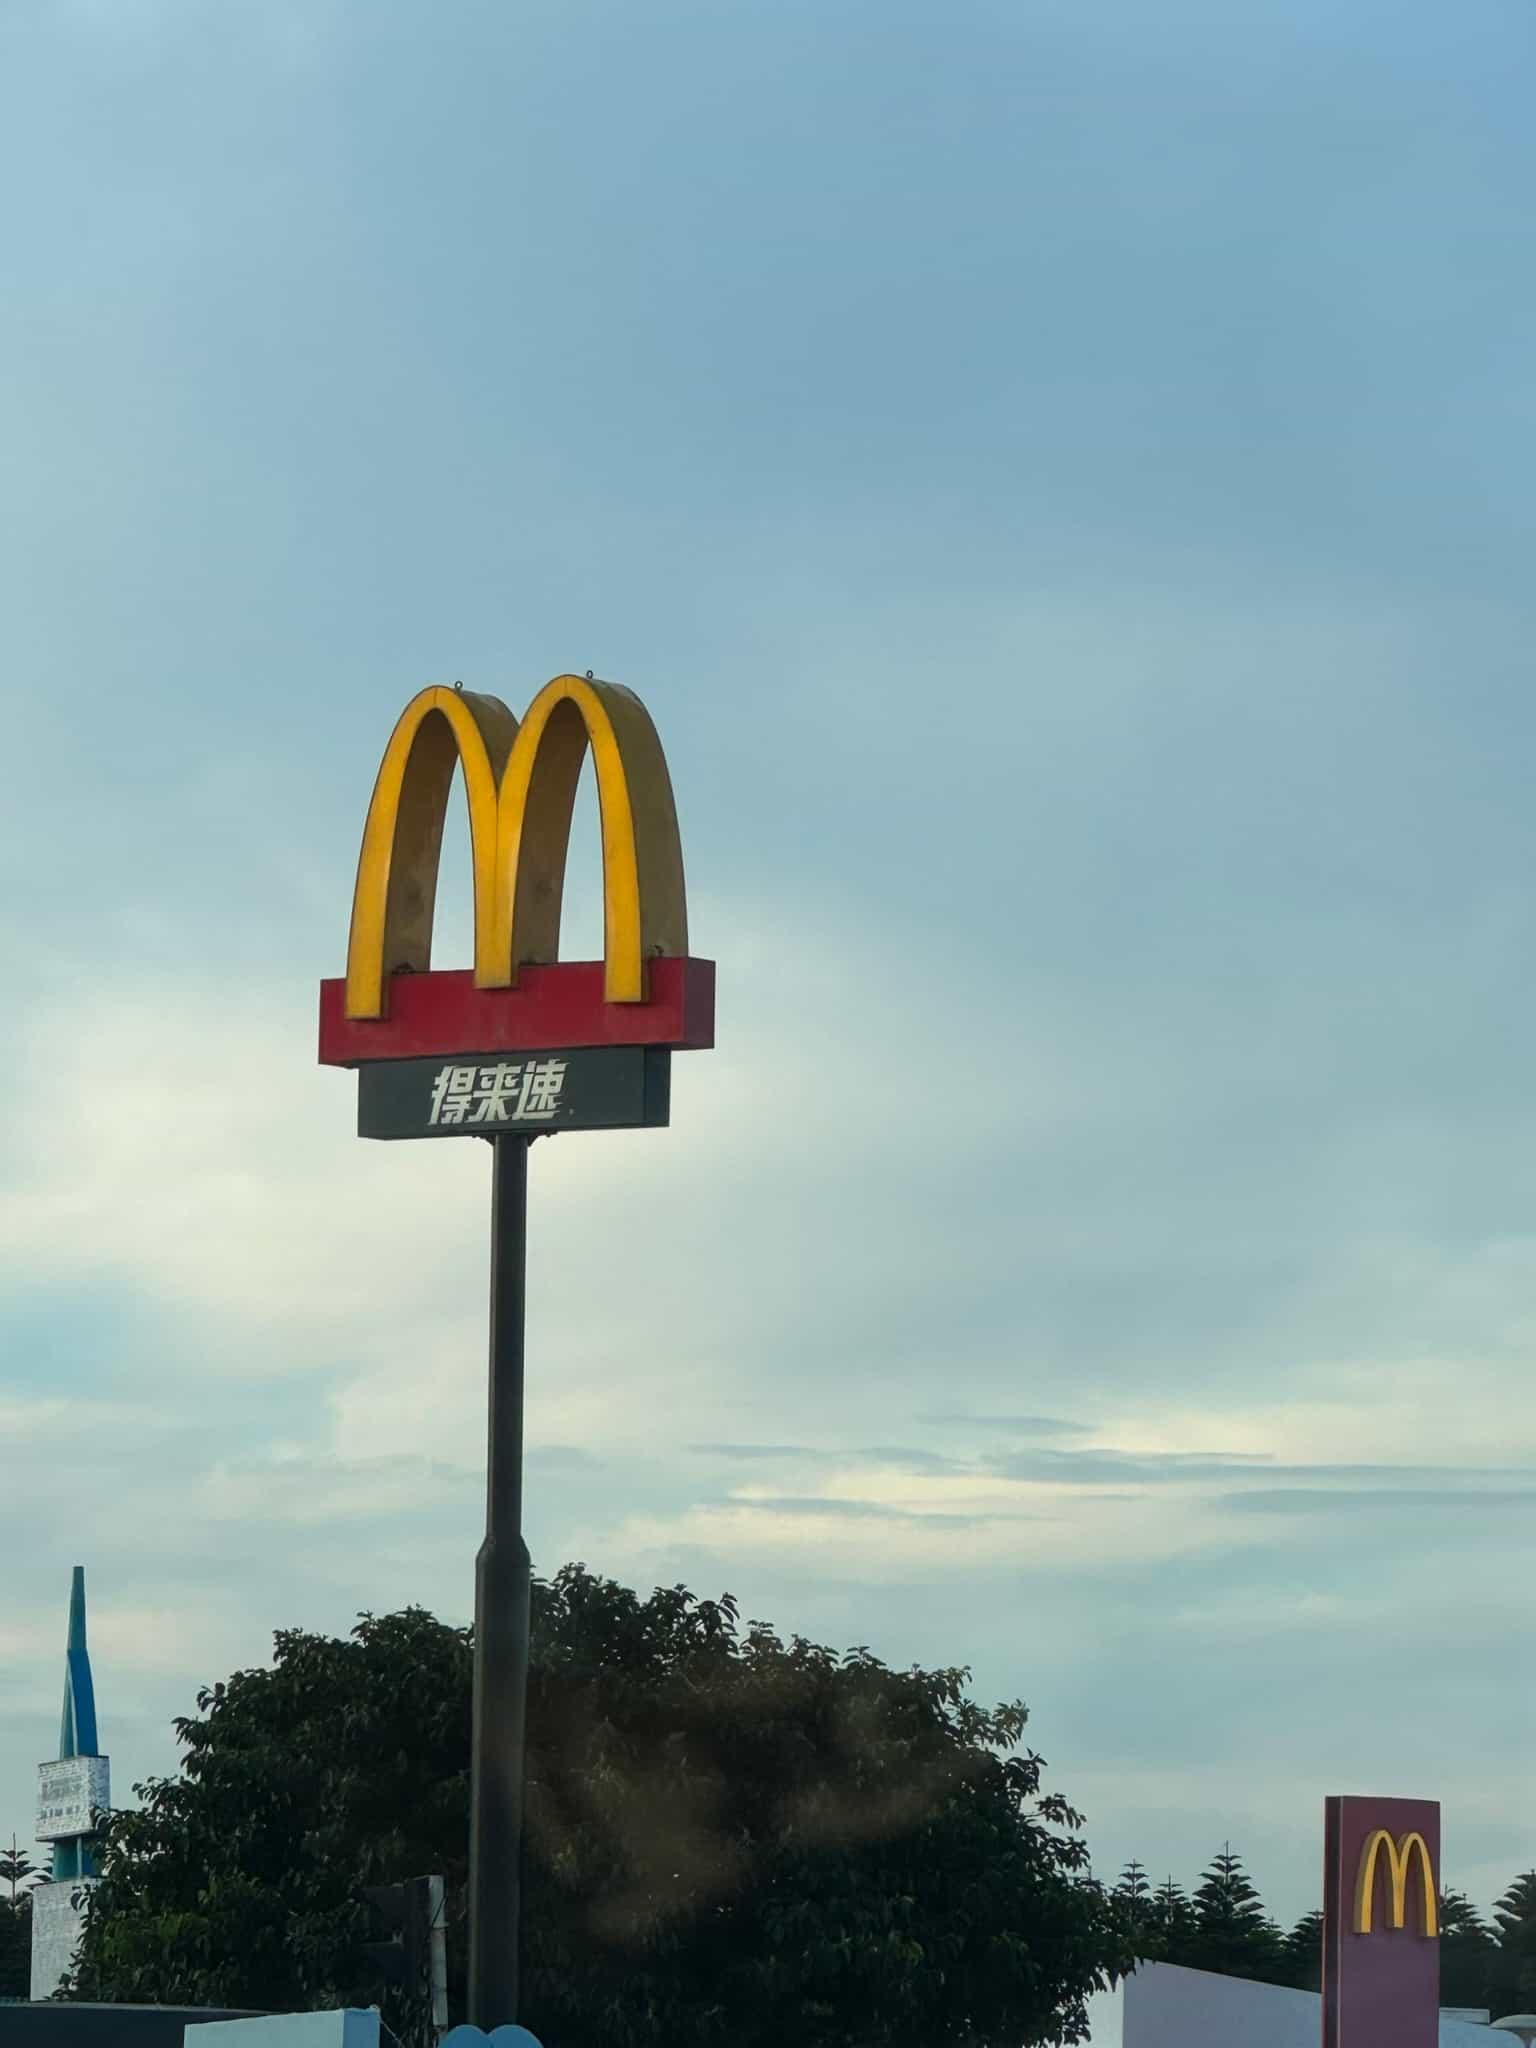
(1381, 1923)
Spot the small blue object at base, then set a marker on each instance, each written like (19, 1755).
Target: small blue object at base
(498, 2037)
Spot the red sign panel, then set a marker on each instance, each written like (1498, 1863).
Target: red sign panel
(441, 1012)
(1381, 1923)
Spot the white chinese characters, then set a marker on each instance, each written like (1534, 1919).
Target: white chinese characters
(511, 1092)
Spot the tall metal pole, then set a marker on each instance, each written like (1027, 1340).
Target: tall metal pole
(502, 1577)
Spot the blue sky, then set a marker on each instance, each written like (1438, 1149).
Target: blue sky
(1059, 475)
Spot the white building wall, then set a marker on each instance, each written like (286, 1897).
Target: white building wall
(342, 2028)
(1166, 2007)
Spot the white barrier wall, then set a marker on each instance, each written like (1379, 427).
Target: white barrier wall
(1166, 2007)
(339, 2029)
(344, 2028)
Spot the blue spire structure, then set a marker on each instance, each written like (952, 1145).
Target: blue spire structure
(77, 1730)
(74, 1792)
(72, 1857)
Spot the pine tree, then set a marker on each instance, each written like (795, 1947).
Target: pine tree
(1171, 1928)
(1466, 1952)
(1301, 1958)
(1512, 1965)
(1136, 1906)
(1233, 1934)
(16, 1868)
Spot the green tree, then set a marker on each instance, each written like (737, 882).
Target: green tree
(18, 1873)
(1233, 1934)
(1172, 1930)
(15, 1947)
(1134, 1902)
(730, 1837)
(1512, 1964)
(17, 1869)
(1466, 1952)
(1301, 1954)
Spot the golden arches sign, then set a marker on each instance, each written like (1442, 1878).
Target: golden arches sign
(520, 783)
(1399, 1854)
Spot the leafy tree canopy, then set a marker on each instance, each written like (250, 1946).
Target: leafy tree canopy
(730, 1837)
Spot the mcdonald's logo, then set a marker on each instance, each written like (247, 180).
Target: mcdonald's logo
(520, 783)
(1400, 1854)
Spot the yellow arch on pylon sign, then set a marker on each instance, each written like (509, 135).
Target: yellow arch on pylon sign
(644, 904)
(1398, 1856)
(520, 783)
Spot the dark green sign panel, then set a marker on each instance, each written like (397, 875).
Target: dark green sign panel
(521, 1094)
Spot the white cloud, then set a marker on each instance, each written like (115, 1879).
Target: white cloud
(56, 1419)
(208, 1164)
(911, 1542)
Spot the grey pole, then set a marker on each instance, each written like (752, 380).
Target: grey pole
(502, 1577)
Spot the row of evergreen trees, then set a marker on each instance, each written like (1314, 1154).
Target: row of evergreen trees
(1223, 1926)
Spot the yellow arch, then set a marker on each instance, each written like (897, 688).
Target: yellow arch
(396, 892)
(644, 900)
(520, 786)
(1399, 1855)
